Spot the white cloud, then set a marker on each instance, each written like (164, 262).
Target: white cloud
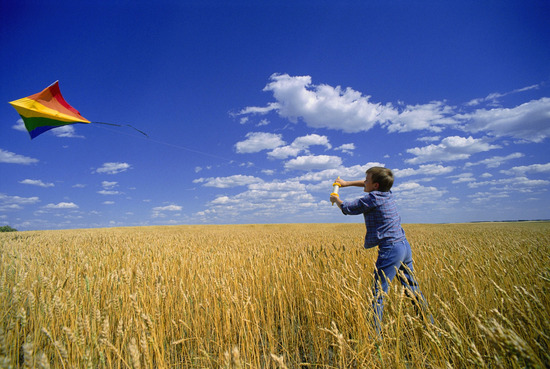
(168, 208)
(429, 116)
(346, 148)
(65, 131)
(261, 202)
(533, 168)
(108, 188)
(258, 141)
(485, 197)
(62, 205)
(529, 121)
(284, 152)
(429, 138)
(113, 168)
(36, 182)
(322, 106)
(12, 158)
(463, 178)
(312, 162)
(521, 184)
(15, 202)
(158, 212)
(20, 125)
(226, 182)
(450, 148)
(493, 97)
(107, 184)
(425, 170)
(413, 193)
(299, 145)
(108, 192)
(496, 161)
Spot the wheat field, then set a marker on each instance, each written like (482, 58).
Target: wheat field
(271, 296)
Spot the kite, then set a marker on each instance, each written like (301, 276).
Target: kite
(48, 109)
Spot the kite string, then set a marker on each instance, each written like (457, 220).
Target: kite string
(122, 125)
(160, 142)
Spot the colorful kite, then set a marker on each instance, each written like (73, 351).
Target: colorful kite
(48, 109)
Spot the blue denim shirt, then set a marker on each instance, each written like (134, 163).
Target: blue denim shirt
(382, 220)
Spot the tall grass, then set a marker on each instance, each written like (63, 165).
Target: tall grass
(271, 296)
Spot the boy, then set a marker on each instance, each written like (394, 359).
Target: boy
(384, 230)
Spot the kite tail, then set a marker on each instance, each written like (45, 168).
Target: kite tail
(122, 125)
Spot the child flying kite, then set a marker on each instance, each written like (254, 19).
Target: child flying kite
(384, 230)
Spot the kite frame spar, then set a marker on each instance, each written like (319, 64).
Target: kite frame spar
(48, 109)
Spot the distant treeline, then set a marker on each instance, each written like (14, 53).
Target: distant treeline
(7, 229)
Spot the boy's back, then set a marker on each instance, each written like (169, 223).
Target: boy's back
(382, 219)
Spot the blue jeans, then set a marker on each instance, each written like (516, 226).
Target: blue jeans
(395, 260)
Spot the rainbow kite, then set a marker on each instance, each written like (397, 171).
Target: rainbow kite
(48, 109)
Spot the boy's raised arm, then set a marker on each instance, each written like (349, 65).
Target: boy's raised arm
(343, 183)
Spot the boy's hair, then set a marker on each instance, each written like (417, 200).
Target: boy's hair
(382, 176)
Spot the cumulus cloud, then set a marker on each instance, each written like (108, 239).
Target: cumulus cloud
(267, 201)
(521, 184)
(529, 121)
(496, 161)
(113, 168)
(429, 138)
(313, 162)
(431, 116)
(108, 188)
(65, 131)
(463, 178)
(168, 208)
(346, 148)
(524, 169)
(158, 211)
(322, 106)
(258, 141)
(230, 181)
(108, 192)
(300, 144)
(413, 193)
(425, 170)
(36, 182)
(107, 184)
(486, 197)
(62, 205)
(12, 158)
(347, 110)
(15, 202)
(450, 148)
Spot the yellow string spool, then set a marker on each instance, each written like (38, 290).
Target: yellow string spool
(335, 189)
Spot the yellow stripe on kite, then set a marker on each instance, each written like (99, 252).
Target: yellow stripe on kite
(30, 108)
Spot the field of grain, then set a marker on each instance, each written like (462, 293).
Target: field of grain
(271, 296)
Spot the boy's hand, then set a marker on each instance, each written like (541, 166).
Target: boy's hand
(336, 199)
(341, 182)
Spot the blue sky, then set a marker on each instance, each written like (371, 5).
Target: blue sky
(253, 110)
